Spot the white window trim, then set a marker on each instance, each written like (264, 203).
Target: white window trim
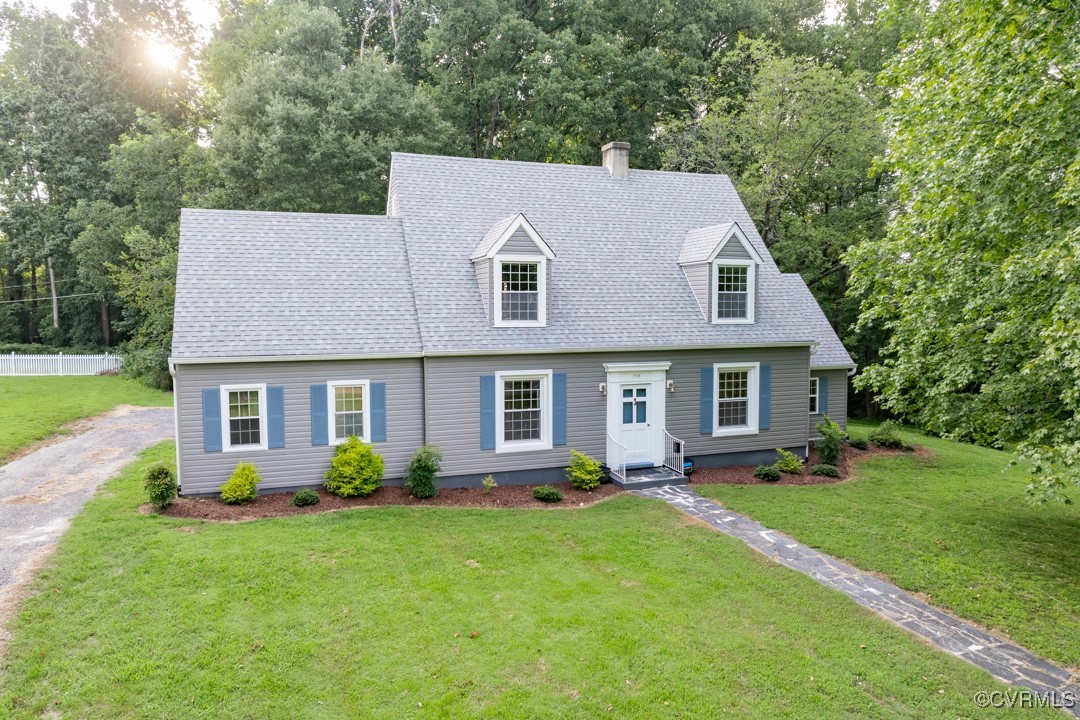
(331, 406)
(751, 290)
(226, 436)
(541, 277)
(814, 396)
(544, 443)
(753, 373)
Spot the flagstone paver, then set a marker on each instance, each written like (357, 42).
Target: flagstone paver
(1004, 660)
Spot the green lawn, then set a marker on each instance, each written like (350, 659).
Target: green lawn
(33, 408)
(952, 526)
(626, 609)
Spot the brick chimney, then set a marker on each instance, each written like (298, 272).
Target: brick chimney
(617, 158)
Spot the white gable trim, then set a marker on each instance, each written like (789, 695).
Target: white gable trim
(736, 233)
(520, 221)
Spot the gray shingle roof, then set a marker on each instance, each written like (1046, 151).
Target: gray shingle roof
(700, 242)
(252, 284)
(283, 284)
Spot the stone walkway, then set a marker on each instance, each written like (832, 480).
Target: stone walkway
(1004, 660)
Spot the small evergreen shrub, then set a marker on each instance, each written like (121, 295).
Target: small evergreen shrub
(859, 444)
(831, 442)
(584, 472)
(547, 493)
(888, 435)
(789, 463)
(825, 470)
(489, 483)
(303, 498)
(160, 485)
(420, 472)
(769, 473)
(240, 487)
(355, 470)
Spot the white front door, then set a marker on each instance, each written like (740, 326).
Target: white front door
(637, 433)
(636, 407)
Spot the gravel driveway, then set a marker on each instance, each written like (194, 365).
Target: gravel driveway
(41, 491)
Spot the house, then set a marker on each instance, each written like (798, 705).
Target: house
(504, 312)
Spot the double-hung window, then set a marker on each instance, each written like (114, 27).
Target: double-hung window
(813, 396)
(523, 411)
(736, 409)
(349, 414)
(244, 411)
(733, 291)
(520, 291)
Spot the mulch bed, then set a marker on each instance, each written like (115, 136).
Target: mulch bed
(277, 504)
(744, 474)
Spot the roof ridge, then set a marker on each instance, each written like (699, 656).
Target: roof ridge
(533, 163)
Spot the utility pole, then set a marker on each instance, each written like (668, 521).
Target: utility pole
(52, 287)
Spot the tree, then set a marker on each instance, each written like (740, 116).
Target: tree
(978, 281)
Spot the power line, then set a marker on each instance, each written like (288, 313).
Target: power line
(43, 283)
(48, 298)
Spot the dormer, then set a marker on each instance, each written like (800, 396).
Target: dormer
(512, 267)
(722, 268)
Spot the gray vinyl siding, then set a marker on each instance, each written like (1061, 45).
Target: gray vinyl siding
(734, 250)
(454, 404)
(698, 277)
(483, 281)
(298, 463)
(837, 409)
(520, 244)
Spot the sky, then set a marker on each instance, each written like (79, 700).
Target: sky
(203, 12)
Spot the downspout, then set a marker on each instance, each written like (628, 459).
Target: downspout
(176, 423)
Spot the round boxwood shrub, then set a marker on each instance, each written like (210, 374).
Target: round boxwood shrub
(240, 487)
(420, 473)
(305, 497)
(584, 472)
(355, 470)
(769, 473)
(859, 444)
(547, 493)
(825, 470)
(160, 485)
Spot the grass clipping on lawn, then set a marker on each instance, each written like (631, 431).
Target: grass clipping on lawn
(624, 609)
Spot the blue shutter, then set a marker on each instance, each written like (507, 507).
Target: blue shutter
(275, 416)
(764, 397)
(487, 412)
(378, 412)
(823, 395)
(558, 407)
(320, 433)
(707, 400)
(211, 420)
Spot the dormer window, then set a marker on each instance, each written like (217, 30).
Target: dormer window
(521, 295)
(512, 264)
(721, 266)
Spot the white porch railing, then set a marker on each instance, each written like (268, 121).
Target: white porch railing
(616, 457)
(59, 364)
(673, 452)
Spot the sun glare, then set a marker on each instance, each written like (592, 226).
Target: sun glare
(163, 54)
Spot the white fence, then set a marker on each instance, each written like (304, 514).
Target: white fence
(59, 364)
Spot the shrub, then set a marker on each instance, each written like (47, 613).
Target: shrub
(303, 498)
(547, 493)
(355, 470)
(769, 473)
(240, 487)
(160, 485)
(888, 435)
(584, 472)
(831, 442)
(420, 472)
(825, 470)
(787, 462)
(859, 444)
(489, 483)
